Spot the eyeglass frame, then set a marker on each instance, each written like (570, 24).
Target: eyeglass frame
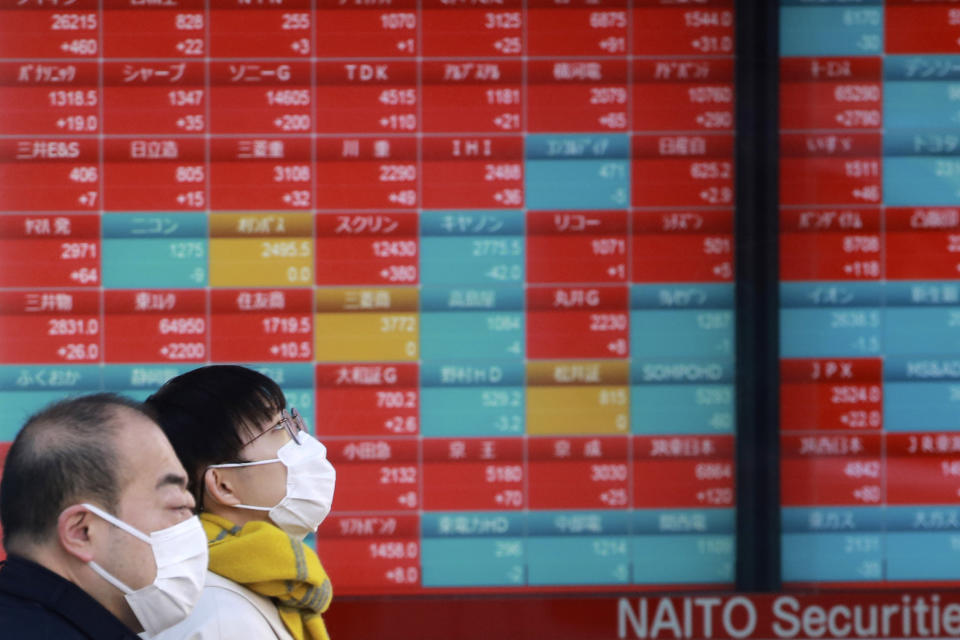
(292, 421)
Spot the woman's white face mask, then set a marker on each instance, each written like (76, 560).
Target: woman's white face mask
(180, 553)
(310, 483)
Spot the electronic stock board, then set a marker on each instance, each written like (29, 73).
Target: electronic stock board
(487, 245)
(869, 293)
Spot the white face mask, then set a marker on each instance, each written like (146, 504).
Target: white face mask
(180, 552)
(310, 483)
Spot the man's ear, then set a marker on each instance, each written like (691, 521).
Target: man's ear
(75, 530)
(219, 487)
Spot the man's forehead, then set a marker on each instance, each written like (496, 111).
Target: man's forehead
(143, 449)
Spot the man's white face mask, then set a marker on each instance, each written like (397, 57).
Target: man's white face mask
(180, 552)
(310, 483)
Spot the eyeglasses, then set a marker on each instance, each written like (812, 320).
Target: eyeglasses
(292, 421)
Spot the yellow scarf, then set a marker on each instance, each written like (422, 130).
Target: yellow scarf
(264, 559)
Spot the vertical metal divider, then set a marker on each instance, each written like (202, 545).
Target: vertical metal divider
(756, 224)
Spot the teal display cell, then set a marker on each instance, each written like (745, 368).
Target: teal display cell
(831, 557)
(682, 409)
(681, 334)
(471, 524)
(832, 519)
(921, 181)
(154, 250)
(681, 295)
(850, 30)
(472, 374)
(920, 105)
(20, 405)
(825, 294)
(577, 171)
(471, 411)
(472, 562)
(471, 334)
(921, 330)
(578, 560)
(25, 389)
(495, 260)
(923, 555)
(577, 184)
(683, 559)
(667, 522)
(837, 332)
(937, 402)
(471, 222)
(154, 263)
(681, 371)
(140, 380)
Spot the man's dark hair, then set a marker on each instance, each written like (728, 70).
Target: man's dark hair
(209, 413)
(64, 454)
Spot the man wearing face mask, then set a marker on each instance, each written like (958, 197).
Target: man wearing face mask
(262, 483)
(98, 526)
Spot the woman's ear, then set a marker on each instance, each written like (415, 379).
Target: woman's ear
(220, 488)
(76, 530)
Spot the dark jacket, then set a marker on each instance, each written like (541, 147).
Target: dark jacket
(37, 604)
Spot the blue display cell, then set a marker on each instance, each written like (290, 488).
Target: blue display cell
(670, 371)
(921, 181)
(920, 68)
(477, 223)
(472, 411)
(811, 333)
(483, 261)
(577, 523)
(822, 293)
(832, 557)
(683, 559)
(923, 556)
(25, 389)
(832, 519)
(921, 406)
(20, 405)
(919, 105)
(922, 293)
(854, 29)
(683, 295)
(471, 524)
(577, 171)
(923, 519)
(472, 562)
(682, 409)
(464, 374)
(923, 369)
(154, 250)
(682, 334)
(471, 334)
(140, 380)
(921, 330)
(578, 560)
(471, 299)
(682, 521)
(140, 226)
(154, 264)
(921, 141)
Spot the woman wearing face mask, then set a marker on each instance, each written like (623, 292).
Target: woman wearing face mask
(261, 484)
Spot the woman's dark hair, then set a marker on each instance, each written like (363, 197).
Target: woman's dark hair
(208, 414)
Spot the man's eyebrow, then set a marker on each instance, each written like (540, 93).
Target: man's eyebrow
(173, 478)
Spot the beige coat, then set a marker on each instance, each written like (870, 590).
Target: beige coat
(229, 611)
